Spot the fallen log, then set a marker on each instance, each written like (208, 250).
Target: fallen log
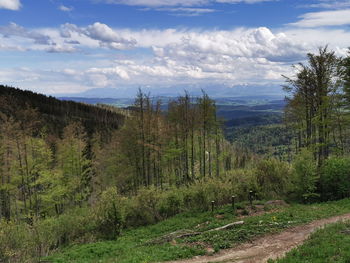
(228, 226)
(174, 235)
(188, 233)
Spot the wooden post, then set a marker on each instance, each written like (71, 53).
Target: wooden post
(212, 206)
(251, 198)
(233, 204)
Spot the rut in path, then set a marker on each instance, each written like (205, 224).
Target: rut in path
(270, 246)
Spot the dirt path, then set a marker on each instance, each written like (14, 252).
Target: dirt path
(264, 248)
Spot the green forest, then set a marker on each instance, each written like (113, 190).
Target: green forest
(75, 174)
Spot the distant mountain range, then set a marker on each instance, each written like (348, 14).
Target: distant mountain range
(214, 91)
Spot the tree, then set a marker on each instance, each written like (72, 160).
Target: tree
(74, 166)
(314, 94)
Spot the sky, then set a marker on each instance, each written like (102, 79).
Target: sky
(70, 46)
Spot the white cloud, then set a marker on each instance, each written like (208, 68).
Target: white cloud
(108, 37)
(12, 48)
(65, 8)
(15, 30)
(167, 57)
(329, 4)
(324, 18)
(182, 11)
(61, 49)
(243, 1)
(160, 3)
(98, 33)
(10, 4)
(157, 3)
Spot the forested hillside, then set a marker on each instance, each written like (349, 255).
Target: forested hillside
(56, 114)
(71, 173)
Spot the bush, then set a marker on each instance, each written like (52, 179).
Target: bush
(16, 244)
(23, 242)
(305, 178)
(171, 203)
(242, 181)
(109, 214)
(335, 179)
(195, 198)
(143, 209)
(273, 178)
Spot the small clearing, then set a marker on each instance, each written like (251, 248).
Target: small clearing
(267, 247)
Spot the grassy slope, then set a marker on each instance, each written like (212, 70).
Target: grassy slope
(327, 245)
(132, 245)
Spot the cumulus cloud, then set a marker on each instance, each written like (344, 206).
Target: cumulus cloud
(241, 55)
(173, 56)
(15, 30)
(66, 39)
(10, 4)
(108, 37)
(324, 18)
(257, 43)
(103, 34)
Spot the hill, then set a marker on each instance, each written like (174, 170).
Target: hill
(56, 113)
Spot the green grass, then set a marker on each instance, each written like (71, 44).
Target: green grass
(132, 246)
(327, 245)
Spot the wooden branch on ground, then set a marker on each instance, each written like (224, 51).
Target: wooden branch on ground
(188, 233)
(228, 226)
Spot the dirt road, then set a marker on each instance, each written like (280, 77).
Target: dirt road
(264, 248)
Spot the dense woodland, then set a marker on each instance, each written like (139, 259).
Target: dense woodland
(76, 173)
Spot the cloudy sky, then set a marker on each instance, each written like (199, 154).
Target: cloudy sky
(69, 46)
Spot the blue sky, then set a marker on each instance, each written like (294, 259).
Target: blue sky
(69, 46)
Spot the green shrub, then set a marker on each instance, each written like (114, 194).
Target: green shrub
(16, 244)
(109, 214)
(305, 177)
(143, 209)
(75, 226)
(171, 203)
(273, 178)
(335, 179)
(241, 182)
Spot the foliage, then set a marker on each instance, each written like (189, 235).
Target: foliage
(144, 207)
(137, 240)
(109, 214)
(305, 177)
(314, 108)
(335, 179)
(23, 242)
(273, 178)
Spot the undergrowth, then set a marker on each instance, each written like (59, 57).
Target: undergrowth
(133, 246)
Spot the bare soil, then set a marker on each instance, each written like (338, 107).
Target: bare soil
(267, 247)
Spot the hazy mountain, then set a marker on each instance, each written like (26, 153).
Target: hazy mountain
(214, 91)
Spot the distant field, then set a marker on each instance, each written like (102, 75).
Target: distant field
(230, 108)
